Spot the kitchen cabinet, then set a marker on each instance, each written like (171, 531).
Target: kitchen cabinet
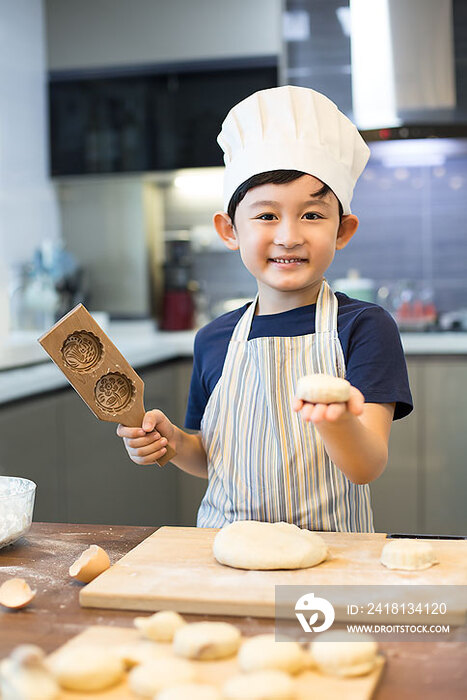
(423, 487)
(80, 466)
(31, 447)
(395, 495)
(445, 446)
(162, 119)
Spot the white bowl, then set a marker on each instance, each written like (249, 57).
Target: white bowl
(16, 507)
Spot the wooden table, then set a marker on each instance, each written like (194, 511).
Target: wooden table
(425, 670)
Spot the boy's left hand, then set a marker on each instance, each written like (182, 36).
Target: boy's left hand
(332, 412)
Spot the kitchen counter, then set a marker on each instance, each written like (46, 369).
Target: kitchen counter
(428, 670)
(143, 346)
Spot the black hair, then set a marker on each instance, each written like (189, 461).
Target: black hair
(271, 177)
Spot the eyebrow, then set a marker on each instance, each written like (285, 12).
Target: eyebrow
(272, 203)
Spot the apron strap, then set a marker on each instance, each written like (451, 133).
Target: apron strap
(326, 314)
(243, 327)
(326, 310)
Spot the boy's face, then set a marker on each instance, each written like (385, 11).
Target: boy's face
(287, 237)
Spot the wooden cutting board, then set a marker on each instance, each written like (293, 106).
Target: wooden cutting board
(174, 569)
(309, 684)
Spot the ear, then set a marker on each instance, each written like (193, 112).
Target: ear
(346, 230)
(225, 229)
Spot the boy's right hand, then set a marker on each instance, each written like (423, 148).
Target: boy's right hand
(148, 444)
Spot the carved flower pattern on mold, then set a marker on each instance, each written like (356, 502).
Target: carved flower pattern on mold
(82, 351)
(114, 392)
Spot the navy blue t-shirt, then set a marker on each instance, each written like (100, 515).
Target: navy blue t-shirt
(374, 358)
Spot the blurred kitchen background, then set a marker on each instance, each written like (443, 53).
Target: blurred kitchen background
(110, 173)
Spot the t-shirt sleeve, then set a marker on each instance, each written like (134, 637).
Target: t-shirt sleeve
(198, 395)
(376, 362)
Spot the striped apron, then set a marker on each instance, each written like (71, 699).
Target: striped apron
(264, 462)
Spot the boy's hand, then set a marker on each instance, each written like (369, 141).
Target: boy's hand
(333, 412)
(148, 444)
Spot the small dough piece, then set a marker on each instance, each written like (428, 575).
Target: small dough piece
(15, 593)
(24, 676)
(323, 388)
(260, 685)
(190, 691)
(148, 679)
(139, 652)
(161, 626)
(251, 544)
(88, 670)
(206, 640)
(92, 562)
(263, 652)
(339, 654)
(410, 555)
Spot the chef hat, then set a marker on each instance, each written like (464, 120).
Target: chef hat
(292, 128)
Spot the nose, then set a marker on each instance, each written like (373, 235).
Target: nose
(287, 234)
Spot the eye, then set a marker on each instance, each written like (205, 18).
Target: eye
(312, 216)
(266, 217)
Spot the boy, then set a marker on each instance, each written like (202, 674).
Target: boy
(292, 160)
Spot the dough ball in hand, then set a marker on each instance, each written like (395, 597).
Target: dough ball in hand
(409, 555)
(206, 640)
(340, 654)
(149, 679)
(323, 388)
(90, 669)
(161, 626)
(263, 652)
(260, 685)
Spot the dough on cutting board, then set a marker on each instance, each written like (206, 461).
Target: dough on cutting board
(263, 652)
(161, 626)
(139, 652)
(206, 640)
(260, 685)
(190, 691)
(89, 669)
(148, 679)
(251, 544)
(25, 675)
(338, 654)
(323, 388)
(410, 555)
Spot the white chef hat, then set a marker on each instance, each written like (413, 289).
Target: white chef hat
(292, 128)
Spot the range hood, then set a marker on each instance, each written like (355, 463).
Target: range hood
(403, 68)
(397, 68)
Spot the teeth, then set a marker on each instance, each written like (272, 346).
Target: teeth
(290, 260)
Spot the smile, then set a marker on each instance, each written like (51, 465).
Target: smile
(287, 261)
